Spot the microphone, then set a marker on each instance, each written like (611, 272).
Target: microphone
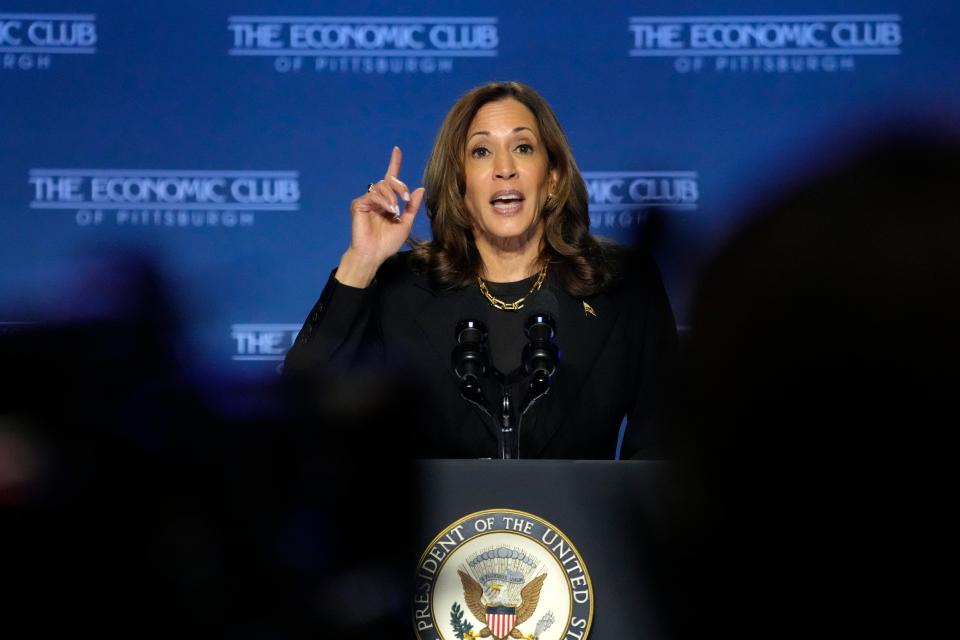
(541, 354)
(470, 358)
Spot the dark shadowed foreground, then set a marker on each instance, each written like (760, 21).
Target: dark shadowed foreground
(136, 501)
(818, 407)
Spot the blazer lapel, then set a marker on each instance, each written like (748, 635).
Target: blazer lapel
(581, 337)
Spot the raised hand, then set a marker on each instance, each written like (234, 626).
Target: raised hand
(381, 222)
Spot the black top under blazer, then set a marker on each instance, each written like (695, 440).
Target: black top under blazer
(612, 364)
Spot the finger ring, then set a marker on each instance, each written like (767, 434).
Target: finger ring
(370, 187)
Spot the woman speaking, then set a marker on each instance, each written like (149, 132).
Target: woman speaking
(511, 248)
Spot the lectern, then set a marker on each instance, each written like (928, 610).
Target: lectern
(603, 514)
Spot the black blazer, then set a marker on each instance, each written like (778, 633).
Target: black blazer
(613, 364)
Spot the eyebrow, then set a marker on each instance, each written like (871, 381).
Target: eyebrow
(516, 130)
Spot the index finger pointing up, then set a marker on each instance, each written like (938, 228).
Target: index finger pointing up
(393, 171)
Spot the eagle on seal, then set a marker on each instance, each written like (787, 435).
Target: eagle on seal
(503, 619)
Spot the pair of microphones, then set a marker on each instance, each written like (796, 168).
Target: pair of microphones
(540, 354)
(471, 364)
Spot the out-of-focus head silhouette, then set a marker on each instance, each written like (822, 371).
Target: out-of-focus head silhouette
(818, 392)
(137, 500)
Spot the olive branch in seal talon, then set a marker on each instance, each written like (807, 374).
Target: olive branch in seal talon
(461, 627)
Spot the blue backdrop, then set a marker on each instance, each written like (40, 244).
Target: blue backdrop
(225, 140)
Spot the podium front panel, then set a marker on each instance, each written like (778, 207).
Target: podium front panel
(609, 511)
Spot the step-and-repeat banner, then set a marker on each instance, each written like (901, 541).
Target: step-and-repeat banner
(224, 140)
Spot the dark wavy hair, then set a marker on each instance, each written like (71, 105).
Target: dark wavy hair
(451, 258)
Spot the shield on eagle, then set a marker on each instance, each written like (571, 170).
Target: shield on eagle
(501, 621)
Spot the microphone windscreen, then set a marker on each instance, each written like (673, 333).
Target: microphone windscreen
(545, 302)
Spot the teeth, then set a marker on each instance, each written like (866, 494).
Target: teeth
(507, 205)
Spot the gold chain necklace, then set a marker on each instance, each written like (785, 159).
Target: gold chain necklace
(516, 305)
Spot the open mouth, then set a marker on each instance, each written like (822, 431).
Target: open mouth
(507, 202)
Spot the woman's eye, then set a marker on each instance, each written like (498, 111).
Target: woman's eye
(479, 152)
(525, 148)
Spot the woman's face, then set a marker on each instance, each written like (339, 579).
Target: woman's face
(507, 178)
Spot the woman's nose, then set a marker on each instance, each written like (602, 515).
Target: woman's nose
(505, 168)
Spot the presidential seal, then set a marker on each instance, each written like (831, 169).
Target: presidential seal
(502, 574)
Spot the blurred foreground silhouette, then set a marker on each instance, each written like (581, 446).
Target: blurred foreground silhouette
(819, 394)
(138, 502)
